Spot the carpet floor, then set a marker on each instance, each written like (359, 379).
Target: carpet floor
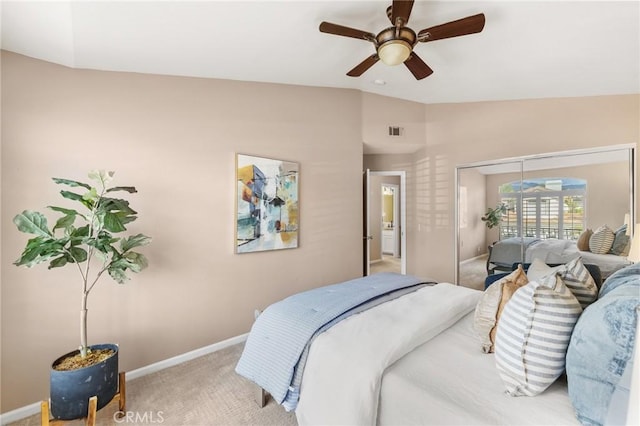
(386, 264)
(205, 391)
(473, 272)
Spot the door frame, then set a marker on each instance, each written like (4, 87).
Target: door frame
(403, 214)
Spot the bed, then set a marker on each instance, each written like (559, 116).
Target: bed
(414, 359)
(504, 253)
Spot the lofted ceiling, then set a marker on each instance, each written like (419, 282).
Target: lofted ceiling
(527, 50)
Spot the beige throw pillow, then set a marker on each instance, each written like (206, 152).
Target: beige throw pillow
(583, 240)
(489, 308)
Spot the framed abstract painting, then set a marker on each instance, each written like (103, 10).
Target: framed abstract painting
(267, 206)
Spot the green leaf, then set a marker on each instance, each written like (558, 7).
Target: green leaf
(58, 262)
(71, 195)
(76, 197)
(91, 195)
(73, 183)
(65, 222)
(113, 223)
(101, 176)
(78, 254)
(40, 249)
(129, 189)
(115, 205)
(63, 210)
(80, 232)
(118, 274)
(137, 261)
(32, 222)
(31, 252)
(137, 240)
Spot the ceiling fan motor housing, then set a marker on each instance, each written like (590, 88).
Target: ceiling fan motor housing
(395, 44)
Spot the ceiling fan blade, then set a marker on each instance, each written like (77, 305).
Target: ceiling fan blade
(417, 67)
(469, 25)
(363, 66)
(401, 9)
(329, 28)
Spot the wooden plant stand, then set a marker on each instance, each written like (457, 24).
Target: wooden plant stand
(93, 406)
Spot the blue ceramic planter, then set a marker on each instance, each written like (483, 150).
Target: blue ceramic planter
(70, 390)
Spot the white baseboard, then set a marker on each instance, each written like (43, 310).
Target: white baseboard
(32, 409)
(473, 259)
(20, 413)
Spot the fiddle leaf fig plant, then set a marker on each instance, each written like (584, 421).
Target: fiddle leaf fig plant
(85, 237)
(493, 216)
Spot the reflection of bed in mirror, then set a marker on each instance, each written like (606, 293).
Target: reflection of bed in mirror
(503, 254)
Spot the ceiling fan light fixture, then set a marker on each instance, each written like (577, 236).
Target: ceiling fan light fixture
(394, 52)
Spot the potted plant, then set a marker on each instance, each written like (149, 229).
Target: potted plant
(84, 239)
(493, 216)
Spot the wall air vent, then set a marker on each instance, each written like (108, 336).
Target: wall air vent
(395, 131)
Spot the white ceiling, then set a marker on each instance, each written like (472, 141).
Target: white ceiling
(533, 49)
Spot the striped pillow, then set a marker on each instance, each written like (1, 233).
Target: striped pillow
(601, 240)
(533, 335)
(577, 277)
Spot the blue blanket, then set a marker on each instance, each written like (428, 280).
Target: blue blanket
(510, 250)
(281, 334)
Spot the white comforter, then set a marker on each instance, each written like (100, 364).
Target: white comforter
(341, 382)
(564, 251)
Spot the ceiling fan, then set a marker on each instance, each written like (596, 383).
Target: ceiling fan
(394, 45)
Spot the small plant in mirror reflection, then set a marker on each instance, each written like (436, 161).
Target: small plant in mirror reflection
(493, 215)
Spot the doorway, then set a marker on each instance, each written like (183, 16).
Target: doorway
(385, 208)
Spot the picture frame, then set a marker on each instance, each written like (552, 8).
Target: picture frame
(267, 204)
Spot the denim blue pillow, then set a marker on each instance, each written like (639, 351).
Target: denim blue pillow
(602, 344)
(619, 278)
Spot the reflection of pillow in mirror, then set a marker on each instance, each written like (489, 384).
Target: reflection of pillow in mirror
(601, 240)
(539, 269)
(490, 305)
(583, 240)
(621, 242)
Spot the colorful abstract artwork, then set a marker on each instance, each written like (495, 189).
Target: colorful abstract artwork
(267, 204)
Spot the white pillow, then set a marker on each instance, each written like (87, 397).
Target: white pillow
(533, 335)
(574, 274)
(538, 269)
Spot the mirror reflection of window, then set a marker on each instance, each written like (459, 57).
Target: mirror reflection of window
(550, 208)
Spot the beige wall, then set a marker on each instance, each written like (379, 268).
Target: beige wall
(175, 140)
(473, 241)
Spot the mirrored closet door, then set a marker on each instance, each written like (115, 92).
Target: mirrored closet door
(514, 210)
